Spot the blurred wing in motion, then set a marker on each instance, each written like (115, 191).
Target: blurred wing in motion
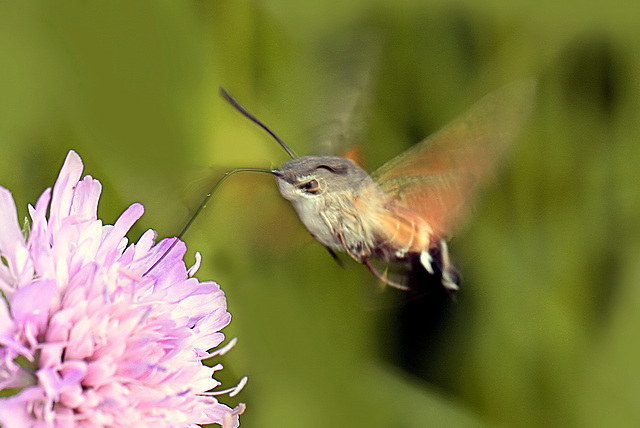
(346, 104)
(437, 177)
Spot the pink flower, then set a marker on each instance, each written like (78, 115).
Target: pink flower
(98, 332)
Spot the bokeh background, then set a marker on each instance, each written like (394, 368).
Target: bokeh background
(546, 328)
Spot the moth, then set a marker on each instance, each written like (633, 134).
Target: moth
(397, 220)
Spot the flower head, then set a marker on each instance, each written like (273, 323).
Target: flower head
(98, 332)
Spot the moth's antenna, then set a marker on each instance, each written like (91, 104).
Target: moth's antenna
(227, 96)
(204, 203)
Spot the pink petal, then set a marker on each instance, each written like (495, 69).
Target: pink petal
(80, 345)
(99, 372)
(73, 372)
(7, 326)
(72, 396)
(51, 355)
(11, 241)
(63, 190)
(31, 303)
(38, 217)
(14, 410)
(118, 231)
(144, 244)
(167, 266)
(85, 198)
(49, 380)
(60, 326)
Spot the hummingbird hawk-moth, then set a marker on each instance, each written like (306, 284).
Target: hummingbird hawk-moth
(402, 214)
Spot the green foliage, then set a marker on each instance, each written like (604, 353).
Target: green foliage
(545, 329)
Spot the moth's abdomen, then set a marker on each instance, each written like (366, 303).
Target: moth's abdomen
(406, 237)
(401, 231)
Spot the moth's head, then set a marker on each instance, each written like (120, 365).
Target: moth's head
(314, 176)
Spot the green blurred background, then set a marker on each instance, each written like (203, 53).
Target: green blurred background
(545, 331)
